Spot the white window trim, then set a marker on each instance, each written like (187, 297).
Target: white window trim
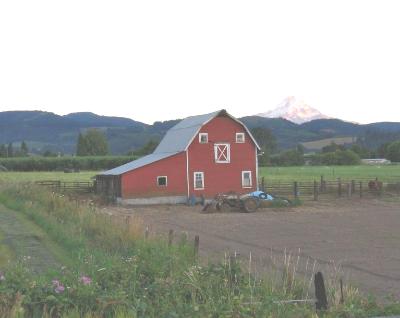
(201, 135)
(240, 134)
(251, 179)
(194, 180)
(166, 181)
(228, 153)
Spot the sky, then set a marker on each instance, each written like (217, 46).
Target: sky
(159, 60)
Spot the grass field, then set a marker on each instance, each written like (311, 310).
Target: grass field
(318, 144)
(46, 175)
(310, 173)
(304, 173)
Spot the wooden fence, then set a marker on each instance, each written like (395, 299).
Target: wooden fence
(304, 190)
(65, 186)
(340, 187)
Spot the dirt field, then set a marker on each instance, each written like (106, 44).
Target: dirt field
(362, 237)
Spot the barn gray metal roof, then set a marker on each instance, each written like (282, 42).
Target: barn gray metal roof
(136, 164)
(177, 139)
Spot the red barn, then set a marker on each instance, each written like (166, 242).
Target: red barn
(200, 156)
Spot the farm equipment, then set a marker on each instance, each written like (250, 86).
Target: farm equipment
(247, 203)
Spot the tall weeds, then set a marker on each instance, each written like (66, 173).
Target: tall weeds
(116, 272)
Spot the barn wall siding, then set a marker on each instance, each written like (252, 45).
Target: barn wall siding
(222, 177)
(142, 182)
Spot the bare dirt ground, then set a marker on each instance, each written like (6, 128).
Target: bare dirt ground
(361, 236)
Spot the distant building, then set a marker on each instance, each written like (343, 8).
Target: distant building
(378, 161)
(200, 156)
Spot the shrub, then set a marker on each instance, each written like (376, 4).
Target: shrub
(339, 158)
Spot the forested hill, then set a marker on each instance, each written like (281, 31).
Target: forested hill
(48, 131)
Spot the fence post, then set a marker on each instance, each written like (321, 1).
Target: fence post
(315, 190)
(296, 190)
(339, 187)
(341, 292)
(320, 292)
(127, 222)
(361, 189)
(353, 186)
(349, 190)
(262, 184)
(196, 246)
(321, 186)
(170, 237)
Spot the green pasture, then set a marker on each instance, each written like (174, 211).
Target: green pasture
(310, 173)
(303, 173)
(17, 176)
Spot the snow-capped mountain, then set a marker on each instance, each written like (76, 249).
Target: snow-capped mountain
(295, 111)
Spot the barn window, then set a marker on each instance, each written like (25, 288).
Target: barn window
(199, 180)
(240, 138)
(246, 179)
(203, 138)
(222, 153)
(162, 181)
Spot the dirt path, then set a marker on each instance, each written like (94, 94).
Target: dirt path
(25, 240)
(361, 236)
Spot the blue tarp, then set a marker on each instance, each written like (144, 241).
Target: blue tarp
(262, 195)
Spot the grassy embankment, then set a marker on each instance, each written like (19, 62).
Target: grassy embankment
(113, 271)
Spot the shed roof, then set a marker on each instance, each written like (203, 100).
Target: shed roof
(177, 139)
(137, 164)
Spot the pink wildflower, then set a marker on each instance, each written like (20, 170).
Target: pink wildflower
(85, 280)
(59, 289)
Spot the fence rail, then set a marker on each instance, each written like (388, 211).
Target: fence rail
(73, 186)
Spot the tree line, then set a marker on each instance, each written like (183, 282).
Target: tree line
(93, 142)
(332, 154)
(9, 151)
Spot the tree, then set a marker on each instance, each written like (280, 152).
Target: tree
(292, 157)
(393, 151)
(49, 153)
(81, 148)
(24, 149)
(347, 157)
(3, 151)
(148, 148)
(10, 150)
(338, 157)
(92, 143)
(332, 147)
(301, 149)
(267, 142)
(361, 151)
